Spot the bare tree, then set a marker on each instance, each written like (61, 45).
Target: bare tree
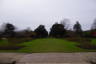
(94, 25)
(66, 23)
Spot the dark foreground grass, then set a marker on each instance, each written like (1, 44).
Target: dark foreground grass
(48, 45)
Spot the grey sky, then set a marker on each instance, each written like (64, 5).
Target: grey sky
(31, 13)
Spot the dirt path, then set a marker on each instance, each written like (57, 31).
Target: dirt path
(48, 58)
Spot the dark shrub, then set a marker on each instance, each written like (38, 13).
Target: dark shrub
(10, 47)
(87, 45)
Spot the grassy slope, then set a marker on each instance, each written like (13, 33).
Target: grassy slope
(94, 41)
(49, 45)
(3, 42)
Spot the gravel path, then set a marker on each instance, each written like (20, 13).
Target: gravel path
(48, 58)
(9, 58)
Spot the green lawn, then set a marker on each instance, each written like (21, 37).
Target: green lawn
(94, 41)
(49, 45)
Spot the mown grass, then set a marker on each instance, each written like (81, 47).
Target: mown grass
(94, 41)
(3, 42)
(51, 45)
(48, 45)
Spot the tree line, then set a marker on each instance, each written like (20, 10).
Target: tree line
(58, 30)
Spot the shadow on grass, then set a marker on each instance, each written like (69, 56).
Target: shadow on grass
(10, 47)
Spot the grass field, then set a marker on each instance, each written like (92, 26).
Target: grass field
(49, 45)
(94, 41)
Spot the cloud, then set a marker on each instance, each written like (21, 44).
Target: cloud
(31, 13)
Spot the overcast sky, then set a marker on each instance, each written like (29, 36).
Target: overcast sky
(31, 13)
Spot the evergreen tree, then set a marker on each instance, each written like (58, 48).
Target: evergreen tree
(77, 28)
(41, 32)
(9, 30)
(57, 30)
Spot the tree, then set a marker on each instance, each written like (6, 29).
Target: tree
(41, 32)
(57, 30)
(77, 28)
(29, 33)
(65, 23)
(9, 30)
(94, 25)
(93, 29)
